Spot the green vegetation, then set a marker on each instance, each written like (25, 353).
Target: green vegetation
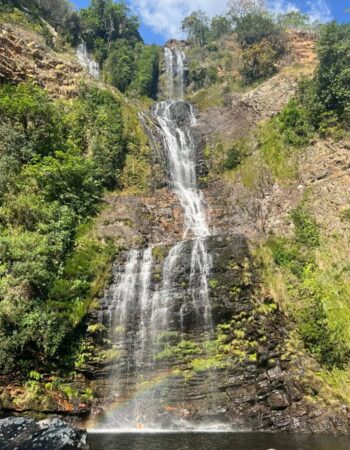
(263, 43)
(316, 288)
(308, 273)
(58, 157)
(107, 27)
(111, 33)
(235, 51)
(181, 351)
(326, 97)
(273, 148)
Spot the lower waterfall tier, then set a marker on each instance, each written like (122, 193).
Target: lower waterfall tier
(243, 373)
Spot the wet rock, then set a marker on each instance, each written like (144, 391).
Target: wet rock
(18, 433)
(278, 400)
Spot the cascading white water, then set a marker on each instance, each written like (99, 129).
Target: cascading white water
(175, 62)
(181, 154)
(142, 309)
(87, 62)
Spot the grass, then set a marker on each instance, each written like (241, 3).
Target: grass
(208, 97)
(85, 274)
(137, 171)
(17, 17)
(308, 275)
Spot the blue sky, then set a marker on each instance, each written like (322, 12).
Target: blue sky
(161, 19)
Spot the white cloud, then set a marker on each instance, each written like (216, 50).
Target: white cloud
(165, 16)
(281, 6)
(319, 10)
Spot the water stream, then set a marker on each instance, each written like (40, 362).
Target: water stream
(141, 309)
(87, 62)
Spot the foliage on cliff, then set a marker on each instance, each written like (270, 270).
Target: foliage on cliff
(109, 30)
(308, 272)
(56, 159)
(111, 33)
(255, 40)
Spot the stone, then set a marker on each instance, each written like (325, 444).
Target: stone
(278, 400)
(17, 433)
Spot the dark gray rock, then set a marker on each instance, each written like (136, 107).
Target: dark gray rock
(17, 433)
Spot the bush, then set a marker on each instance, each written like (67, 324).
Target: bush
(289, 255)
(58, 156)
(119, 67)
(254, 28)
(95, 125)
(326, 98)
(30, 112)
(294, 124)
(145, 82)
(263, 43)
(68, 179)
(306, 229)
(236, 154)
(327, 345)
(259, 62)
(202, 77)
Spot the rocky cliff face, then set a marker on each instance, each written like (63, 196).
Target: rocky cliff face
(254, 375)
(257, 374)
(24, 56)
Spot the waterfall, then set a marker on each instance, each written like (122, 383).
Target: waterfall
(175, 62)
(87, 62)
(139, 307)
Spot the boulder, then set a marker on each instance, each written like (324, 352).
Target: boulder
(52, 434)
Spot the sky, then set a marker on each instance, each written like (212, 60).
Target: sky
(161, 19)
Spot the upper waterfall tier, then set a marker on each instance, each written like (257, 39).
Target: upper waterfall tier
(175, 64)
(181, 155)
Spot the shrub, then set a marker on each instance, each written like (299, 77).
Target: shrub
(68, 179)
(120, 67)
(263, 42)
(328, 345)
(259, 62)
(326, 97)
(235, 155)
(294, 124)
(30, 112)
(145, 82)
(306, 229)
(288, 255)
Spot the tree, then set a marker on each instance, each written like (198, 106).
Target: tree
(220, 26)
(294, 19)
(68, 179)
(147, 70)
(30, 111)
(253, 28)
(120, 65)
(326, 97)
(259, 61)
(263, 43)
(333, 74)
(197, 27)
(237, 9)
(108, 21)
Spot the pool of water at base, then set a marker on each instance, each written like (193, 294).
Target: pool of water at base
(216, 441)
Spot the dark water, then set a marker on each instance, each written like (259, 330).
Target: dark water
(217, 441)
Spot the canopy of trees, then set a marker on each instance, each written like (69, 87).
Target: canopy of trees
(327, 96)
